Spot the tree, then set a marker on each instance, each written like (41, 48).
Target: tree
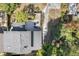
(8, 8)
(64, 8)
(31, 12)
(4, 7)
(45, 51)
(71, 33)
(20, 16)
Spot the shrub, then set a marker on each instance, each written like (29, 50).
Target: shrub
(45, 51)
(67, 43)
(71, 34)
(20, 16)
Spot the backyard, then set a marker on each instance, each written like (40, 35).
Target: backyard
(62, 36)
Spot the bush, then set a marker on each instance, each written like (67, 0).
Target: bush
(21, 16)
(71, 36)
(57, 49)
(67, 43)
(45, 51)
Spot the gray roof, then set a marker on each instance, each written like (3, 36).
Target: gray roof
(18, 27)
(29, 26)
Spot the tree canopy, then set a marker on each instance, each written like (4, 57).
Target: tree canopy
(9, 8)
(21, 16)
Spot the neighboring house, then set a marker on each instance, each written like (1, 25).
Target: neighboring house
(72, 9)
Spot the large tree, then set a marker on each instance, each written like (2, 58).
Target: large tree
(9, 9)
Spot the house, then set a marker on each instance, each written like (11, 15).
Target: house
(23, 38)
(72, 9)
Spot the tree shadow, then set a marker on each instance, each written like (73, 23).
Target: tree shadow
(54, 34)
(54, 27)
